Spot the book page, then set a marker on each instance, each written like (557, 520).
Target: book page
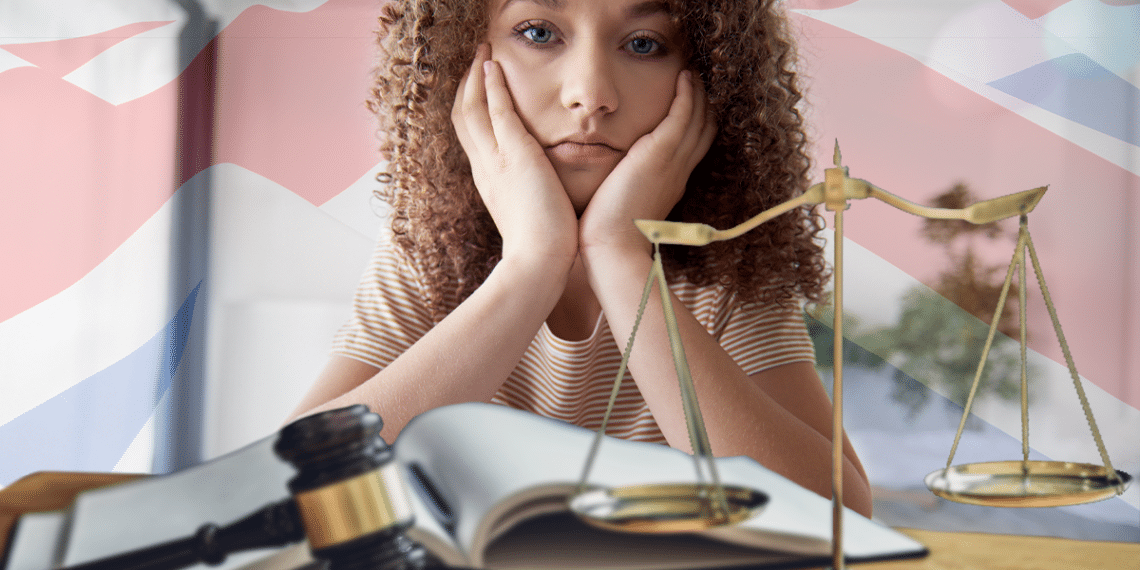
(35, 541)
(562, 542)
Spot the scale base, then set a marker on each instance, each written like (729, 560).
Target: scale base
(666, 508)
(1026, 483)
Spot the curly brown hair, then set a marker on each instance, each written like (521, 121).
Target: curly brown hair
(742, 51)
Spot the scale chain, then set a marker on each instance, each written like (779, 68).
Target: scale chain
(694, 420)
(1018, 254)
(1112, 475)
(698, 436)
(617, 381)
(1021, 313)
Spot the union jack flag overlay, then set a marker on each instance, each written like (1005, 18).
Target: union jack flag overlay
(184, 211)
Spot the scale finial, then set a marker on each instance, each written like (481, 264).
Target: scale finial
(838, 158)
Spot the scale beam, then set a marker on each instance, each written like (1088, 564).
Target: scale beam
(840, 190)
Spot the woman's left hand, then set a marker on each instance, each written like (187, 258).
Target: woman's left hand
(651, 178)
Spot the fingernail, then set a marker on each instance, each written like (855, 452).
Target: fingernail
(688, 75)
(487, 66)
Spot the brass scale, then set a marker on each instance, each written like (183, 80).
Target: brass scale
(663, 508)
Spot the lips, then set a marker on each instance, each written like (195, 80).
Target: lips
(579, 153)
(584, 149)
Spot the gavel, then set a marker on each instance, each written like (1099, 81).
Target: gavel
(348, 499)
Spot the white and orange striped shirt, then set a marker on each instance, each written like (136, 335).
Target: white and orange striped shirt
(568, 380)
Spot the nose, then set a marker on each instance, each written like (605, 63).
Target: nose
(589, 86)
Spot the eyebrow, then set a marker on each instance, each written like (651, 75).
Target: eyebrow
(551, 4)
(646, 8)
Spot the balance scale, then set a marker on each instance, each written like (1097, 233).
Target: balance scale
(687, 507)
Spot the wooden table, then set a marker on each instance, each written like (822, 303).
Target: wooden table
(969, 551)
(948, 550)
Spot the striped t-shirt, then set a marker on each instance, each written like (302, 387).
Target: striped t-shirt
(561, 379)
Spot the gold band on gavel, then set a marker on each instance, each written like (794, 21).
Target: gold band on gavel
(354, 507)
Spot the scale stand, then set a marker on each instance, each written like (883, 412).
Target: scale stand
(697, 506)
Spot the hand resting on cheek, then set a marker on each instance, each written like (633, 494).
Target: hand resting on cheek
(513, 175)
(651, 178)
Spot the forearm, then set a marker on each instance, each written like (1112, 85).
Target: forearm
(468, 355)
(740, 416)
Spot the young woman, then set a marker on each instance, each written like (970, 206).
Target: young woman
(524, 136)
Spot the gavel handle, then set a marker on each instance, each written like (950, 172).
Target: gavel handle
(277, 524)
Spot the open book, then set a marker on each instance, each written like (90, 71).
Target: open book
(489, 486)
(497, 479)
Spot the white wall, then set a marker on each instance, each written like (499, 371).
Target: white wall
(282, 276)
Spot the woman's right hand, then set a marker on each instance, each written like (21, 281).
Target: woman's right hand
(514, 177)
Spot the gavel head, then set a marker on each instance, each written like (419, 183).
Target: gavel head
(349, 492)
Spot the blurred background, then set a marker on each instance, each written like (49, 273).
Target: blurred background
(185, 209)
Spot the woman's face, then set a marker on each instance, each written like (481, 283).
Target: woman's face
(588, 78)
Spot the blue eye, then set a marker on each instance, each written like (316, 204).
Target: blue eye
(644, 46)
(537, 34)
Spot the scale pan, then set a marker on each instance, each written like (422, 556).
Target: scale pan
(1026, 483)
(665, 508)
